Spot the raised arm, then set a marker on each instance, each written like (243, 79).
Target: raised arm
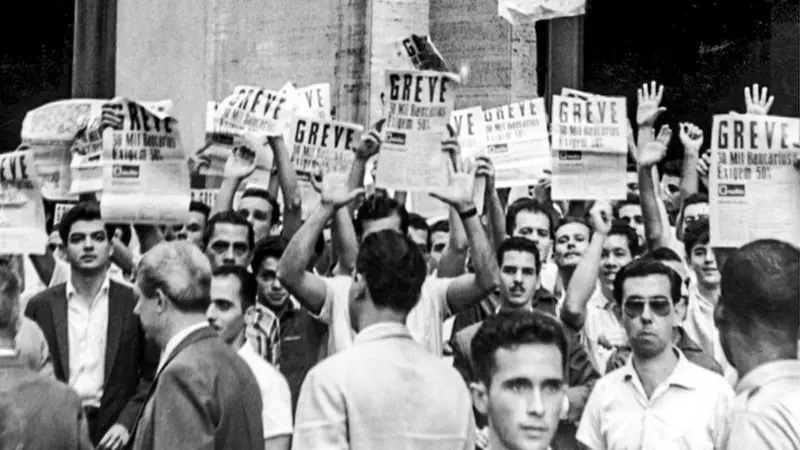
(584, 280)
(239, 165)
(492, 205)
(650, 154)
(692, 138)
(370, 145)
(292, 203)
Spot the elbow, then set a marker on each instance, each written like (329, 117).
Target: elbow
(491, 282)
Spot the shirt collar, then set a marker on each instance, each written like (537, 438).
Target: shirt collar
(681, 375)
(103, 288)
(175, 340)
(382, 330)
(768, 373)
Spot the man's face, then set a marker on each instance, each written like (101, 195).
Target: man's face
(194, 229)
(148, 311)
(631, 214)
(632, 181)
(534, 225)
(420, 237)
(704, 264)
(648, 315)
(387, 223)
(524, 399)
(225, 313)
(694, 213)
(572, 240)
(258, 212)
(518, 272)
(439, 240)
(88, 246)
(270, 289)
(228, 246)
(671, 192)
(616, 255)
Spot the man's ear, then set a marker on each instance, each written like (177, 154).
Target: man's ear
(161, 300)
(480, 396)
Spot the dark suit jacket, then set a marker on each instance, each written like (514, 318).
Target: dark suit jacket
(580, 377)
(204, 398)
(50, 412)
(131, 359)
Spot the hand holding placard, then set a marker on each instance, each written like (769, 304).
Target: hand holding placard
(333, 189)
(703, 167)
(241, 164)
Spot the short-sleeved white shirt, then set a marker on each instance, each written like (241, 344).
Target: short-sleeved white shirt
(689, 411)
(275, 395)
(601, 323)
(424, 321)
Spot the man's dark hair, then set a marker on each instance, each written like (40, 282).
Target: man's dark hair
(630, 199)
(394, 269)
(418, 222)
(510, 329)
(644, 267)
(533, 206)
(760, 285)
(264, 194)
(697, 233)
(229, 217)
(697, 197)
(200, 207)
(271, 247)
(127, 234)
(519, 244)
(248, 287)
(380, 207)
(620, 228)
(571, 219)
(664, 254)
(86, 211)
(440, 226)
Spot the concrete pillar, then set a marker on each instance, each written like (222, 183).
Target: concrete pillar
(94, 48)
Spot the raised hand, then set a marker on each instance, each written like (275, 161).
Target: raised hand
(370, 142)
(460, 192)
(241, 164)
(453, 150)
(691, 137)
(655, 151)
(601, 216)
(333, 189)
(485, 168)
(543, 189)
(703, 167)
(649, 99)
(758, 104)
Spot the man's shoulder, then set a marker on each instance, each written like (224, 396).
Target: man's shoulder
(465, 335)
(46, 295)
(34, 386)
(706, 380)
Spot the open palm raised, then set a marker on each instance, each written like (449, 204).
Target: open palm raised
(653, 152)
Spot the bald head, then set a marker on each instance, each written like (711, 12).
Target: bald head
(760, 284)
(181, 271)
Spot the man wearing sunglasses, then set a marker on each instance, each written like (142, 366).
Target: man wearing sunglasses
(658, 399)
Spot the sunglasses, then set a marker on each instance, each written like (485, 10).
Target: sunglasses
(635, 308)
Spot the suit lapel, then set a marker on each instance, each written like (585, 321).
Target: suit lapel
(117, 313)
(58, 305)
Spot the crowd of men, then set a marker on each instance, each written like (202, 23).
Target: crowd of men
(532, 325)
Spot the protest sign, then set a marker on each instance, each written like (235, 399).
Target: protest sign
(470, 130)
(325, 145)
(255, 110)
(145, 176)
(59, 211)
(419, 104)
(517, 142)
(595, 125)
(519, 12)
(422, 54)
(588, 176)
(206, 196)
(22, 219)
(315, 101)
(754, 190)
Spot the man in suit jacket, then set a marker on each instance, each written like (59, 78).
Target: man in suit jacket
(98, 345)
(204, 396)
(36, 411)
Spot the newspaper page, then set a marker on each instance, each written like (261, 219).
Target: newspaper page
(588, 176)
(518, 142)
(422, 53)
(470, 130)
(315, 101)
(324, 144)
(205, 196)
(519, 12)
(59, 211)
(419, 104)
(145, 176)
(50, 131)
(255, 110)
(590, 149)
(754, 190)
(22, 220)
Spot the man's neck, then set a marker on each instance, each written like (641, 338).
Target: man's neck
(565, 273)
(280, 308)
(654, 371)
(709, 292)
(238, 341)
(607, 291)
(376, 316)
(88, 284)
(179, 324)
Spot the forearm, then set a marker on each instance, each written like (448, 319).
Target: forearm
(653, 219)
(301, 248)
(292, 202)
(356, 178)
(496, 216)
(122, 257)
(487, 272)
(451, 264)
(344, 241)
(225, 195)
(583, 283)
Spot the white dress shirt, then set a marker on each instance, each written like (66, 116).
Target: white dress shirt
(175, 340)
(275, 395)
(87, 323)
(387, 392)
(688, 411)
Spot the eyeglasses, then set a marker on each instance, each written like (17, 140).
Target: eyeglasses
(635, 308)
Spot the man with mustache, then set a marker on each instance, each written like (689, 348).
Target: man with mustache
(658, 399)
